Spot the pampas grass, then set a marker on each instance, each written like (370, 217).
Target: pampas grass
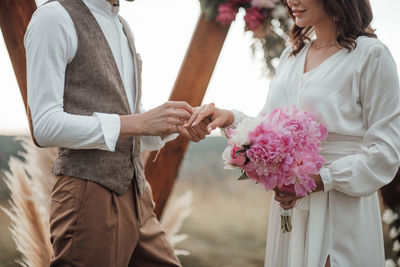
(30, 184)
(173, 218)
(38, 162)
(29, 228)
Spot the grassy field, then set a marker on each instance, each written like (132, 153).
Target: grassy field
(228, 224)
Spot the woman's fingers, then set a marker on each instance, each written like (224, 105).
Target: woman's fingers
(201, 129)
(284, 193)
(288, 205)
(205, 111)
(184, 132)
(195, 113)
(193, 134)
(285, 198)
(218, 122)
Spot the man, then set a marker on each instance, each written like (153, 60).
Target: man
(84, 90)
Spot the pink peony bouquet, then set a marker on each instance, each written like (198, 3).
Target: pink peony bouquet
(279, 151)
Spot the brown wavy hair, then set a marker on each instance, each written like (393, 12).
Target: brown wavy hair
(353, 18)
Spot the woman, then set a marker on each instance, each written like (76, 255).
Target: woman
(348, 79)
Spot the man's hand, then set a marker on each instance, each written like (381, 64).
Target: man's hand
(160, 121)
(196, 133)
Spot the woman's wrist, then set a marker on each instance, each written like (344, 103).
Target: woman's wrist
(230, 117)
(318, 181)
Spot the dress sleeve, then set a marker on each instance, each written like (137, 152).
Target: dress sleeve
(376, 163)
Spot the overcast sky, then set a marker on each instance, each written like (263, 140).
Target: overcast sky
(163, 30)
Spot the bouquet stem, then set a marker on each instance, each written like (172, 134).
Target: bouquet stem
(286, 220)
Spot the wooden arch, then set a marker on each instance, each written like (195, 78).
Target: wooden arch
(190, 86)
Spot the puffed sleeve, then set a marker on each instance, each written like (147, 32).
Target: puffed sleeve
(376, 163)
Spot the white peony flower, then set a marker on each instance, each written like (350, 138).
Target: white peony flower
(241, 135)
(393, 233)
(389, 216)
(390, 263)
(279, 12)
(226, 156)
(396, 246)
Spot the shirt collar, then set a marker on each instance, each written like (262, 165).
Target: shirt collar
(104, 6)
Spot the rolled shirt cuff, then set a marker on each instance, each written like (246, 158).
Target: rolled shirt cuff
(169, 138)
(154, 143)
(111, 127)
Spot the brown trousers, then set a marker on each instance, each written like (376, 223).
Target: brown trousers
(94, 227)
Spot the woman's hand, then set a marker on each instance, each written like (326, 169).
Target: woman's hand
(195, 133)
(287, 200)
(218, 117)
(318, 181)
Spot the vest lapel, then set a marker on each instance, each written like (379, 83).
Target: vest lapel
(108, 55)
(138, 63)
(136, 153)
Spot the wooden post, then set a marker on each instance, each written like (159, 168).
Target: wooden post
(190, 86)
(14, 19)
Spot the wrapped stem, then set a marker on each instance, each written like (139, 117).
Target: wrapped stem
(286, 220)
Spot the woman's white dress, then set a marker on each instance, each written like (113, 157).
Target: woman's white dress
(357, 96)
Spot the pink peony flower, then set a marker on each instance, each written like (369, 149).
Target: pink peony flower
(226, 13)
(254, 18)
(238, 156)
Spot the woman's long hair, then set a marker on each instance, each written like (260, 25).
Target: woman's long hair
(353, 18)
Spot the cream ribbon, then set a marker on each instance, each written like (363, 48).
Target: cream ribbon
(309, 217)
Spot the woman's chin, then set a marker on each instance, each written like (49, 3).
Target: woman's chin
(302, 23)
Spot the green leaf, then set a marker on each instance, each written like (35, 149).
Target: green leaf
(243, 177)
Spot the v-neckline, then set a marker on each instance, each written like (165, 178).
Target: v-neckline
(320, 64)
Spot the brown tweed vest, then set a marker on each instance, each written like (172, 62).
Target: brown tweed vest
(93, 84)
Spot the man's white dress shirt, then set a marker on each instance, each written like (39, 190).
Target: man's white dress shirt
(51, 43)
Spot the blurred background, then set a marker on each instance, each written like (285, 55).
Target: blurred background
(228, 224)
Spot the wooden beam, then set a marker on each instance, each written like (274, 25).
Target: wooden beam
(14, 19)
(190, 86)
